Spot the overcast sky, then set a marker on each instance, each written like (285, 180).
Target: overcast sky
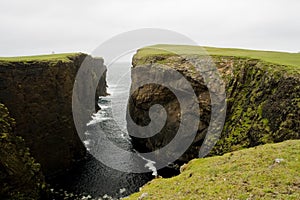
(43, 26)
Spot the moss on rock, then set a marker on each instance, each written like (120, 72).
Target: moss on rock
(20, 175)
(262, 105)
(262, 94)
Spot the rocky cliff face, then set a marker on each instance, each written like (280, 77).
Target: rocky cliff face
(38, 94)
(20, 176)
(263, 103)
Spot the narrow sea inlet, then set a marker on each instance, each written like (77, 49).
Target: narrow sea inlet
(92, 177)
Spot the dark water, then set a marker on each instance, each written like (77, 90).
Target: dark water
(92, 177)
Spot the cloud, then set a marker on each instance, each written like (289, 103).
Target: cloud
(37, 27)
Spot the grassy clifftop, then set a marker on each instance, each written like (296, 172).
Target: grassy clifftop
(263, 106)
(41, 58)
(284, 62)
(270, 171)
(262, 91)
(291, 61)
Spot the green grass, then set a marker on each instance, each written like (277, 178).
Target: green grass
(281, 58)
(245, 174)
(42, 58)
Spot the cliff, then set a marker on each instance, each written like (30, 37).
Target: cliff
(269, 171)
(20, 176)
(262, 95)
(38, 92)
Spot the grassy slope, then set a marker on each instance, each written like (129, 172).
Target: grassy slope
(44, 58)
(290, 60)
(245, 174)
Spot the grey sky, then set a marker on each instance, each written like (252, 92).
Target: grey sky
(42, 26)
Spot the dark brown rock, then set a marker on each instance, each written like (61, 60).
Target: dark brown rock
(39, 97)
(263, 103)
(20, 175)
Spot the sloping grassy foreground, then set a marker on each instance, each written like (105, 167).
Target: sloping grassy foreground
(270, 171)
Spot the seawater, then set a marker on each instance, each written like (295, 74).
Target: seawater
(92, 177)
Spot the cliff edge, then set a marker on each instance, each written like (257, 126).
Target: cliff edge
(38, 92)
(262, 95)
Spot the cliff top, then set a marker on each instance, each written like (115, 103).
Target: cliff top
(291, 60)
(265, 172)
(64, 57)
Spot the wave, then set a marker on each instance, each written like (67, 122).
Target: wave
(103, 107)
(87, 143)
(150, 164)
(98, 117)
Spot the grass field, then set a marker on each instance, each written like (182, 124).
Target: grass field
(270, 171)
(45, 58)
(281, 58)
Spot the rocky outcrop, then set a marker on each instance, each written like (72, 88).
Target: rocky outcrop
(38, 93)
(263, 102)
(20, 176)
(150, 94)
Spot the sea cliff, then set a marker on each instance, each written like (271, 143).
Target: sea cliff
(37, 91)
(20, 175)
(262, 96)
(263, 107)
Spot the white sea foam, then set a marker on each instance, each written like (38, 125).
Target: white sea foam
(103, 107)
(122, 190)
(150, 165)
(87, 144)
(98, 117)
(123, 136)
